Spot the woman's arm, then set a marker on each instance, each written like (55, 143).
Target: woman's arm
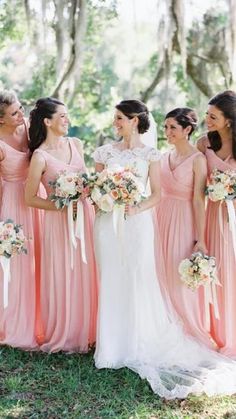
(155, 185)
(36, 169)
(200, 177)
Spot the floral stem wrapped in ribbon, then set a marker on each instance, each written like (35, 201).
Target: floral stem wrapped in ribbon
(222, 188)
(112, 189)
(12, 242)
(70, 187)
(200, 270)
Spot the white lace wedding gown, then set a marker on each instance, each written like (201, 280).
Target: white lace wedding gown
(136, 327)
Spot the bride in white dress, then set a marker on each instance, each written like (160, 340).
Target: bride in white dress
(137, 327)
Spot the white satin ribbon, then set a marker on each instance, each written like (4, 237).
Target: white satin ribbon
(5, 262)
(76, 230)
(118, 219)
(79, 229)
(221, 218)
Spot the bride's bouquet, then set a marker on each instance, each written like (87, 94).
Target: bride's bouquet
(200, 270)
(67, 187)
(12, 242)
(222, 185)
(114, 187)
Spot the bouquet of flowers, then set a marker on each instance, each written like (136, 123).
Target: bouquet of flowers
(68, 187)
(222, 185)
(114, 187)
(198, 270)
(12, 242)
(12, 239)
(222, 188)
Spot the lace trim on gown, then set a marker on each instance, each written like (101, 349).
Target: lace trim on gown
(104, 153)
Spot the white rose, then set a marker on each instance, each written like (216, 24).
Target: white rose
(204, 267)
(218, 192)
(184, 267)
(6, 246)
(106, 203)
(68, 186)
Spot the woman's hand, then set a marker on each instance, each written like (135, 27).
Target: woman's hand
(200, 246)
(131, 209)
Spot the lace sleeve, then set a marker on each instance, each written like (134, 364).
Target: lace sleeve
(154, 155)
(100, 154)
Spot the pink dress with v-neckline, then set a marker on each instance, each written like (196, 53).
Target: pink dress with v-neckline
(20, 320)
(175, 218)
(220, 245)
(68, 296)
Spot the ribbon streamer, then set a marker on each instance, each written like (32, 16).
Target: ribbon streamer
(76, 230)
(118, 219)
(79, 229)
(5, 262)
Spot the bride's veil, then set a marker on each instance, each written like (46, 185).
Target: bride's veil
(149, 138)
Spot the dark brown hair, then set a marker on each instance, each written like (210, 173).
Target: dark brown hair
(132, 108)
(226, 103)
(184, 117)
(44, 108)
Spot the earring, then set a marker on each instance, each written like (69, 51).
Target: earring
(228, 125)
(134, 131)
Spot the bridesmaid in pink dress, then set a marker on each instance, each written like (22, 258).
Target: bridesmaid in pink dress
(68, 295)
(219, 146)
(18, 320)
(181, 216)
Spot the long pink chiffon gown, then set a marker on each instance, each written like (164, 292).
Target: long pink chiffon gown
(68, 296)
(175, 219)
(220, 245)
(19, 321)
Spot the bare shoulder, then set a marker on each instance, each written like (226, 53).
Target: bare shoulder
(37, 159)
(202, 143)
(200, 163)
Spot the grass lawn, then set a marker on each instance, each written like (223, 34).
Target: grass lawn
(37, 385)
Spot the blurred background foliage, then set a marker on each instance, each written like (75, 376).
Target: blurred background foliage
(93, 53)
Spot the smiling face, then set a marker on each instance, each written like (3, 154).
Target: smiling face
(59, 123)
(13, 115)
(175, 132)
(123, 124)
(215, 119)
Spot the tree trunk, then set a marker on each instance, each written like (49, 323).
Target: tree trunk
(71, 75)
